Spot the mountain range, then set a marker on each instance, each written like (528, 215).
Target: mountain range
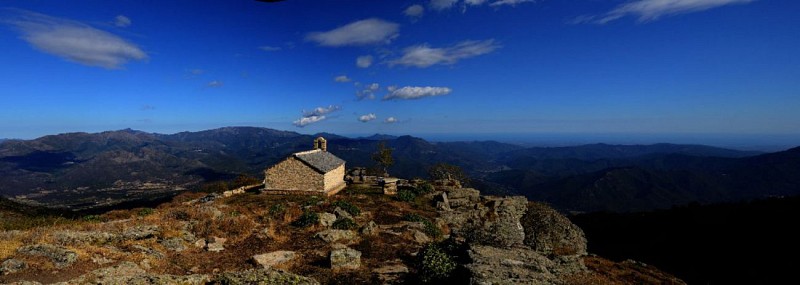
(596, 177)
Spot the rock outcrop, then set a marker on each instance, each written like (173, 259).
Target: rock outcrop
(485, 220)
(131, 273)
(59, 255)
(510, 240)
(549, 232)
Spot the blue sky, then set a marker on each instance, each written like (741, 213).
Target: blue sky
(659, 67)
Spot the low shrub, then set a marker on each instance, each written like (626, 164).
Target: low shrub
(435, 265)
(312, 201)
(92, 218)
(145, 212)
(430, 229)
(424, 188)
(344, 224)
(348, 207)
(308, 218)
(180, 214)
(277, 210)
(405, 195)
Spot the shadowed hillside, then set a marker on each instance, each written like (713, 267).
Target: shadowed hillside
(741, 243)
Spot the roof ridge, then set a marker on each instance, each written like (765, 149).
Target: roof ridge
(307, 152)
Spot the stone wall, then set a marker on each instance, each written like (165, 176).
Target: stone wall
(334, 180)
(293, 174)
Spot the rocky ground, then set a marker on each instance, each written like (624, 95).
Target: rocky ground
(360, 236)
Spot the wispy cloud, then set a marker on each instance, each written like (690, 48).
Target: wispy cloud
(305, 121)
(196, 71)
(270, 48)
(367, 117)
(364, 32)
(147, 107)
(368, 92)
(439, 5)
(215, 84)
(509, 2)
(391, 120)
(342, 78)
(651, 10)
(321, 111)
(122, 21)
(315, 115)
(364, 61)
(415, 92)
(73, 40)
(424, 56)
(414, 11)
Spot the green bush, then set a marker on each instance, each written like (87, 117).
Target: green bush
(347, 206)
(277, 209)
(430, 229)
(92, 218)
(344, 224)
(405, 195)
(145, 212)
(306, 219)
(424, 188)
(312, 201)
(414, 218)
(435, 265)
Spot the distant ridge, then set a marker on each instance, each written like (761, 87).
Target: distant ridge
(582, 178)
(379, 137)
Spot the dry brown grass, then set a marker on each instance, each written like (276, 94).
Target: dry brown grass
(8, 248)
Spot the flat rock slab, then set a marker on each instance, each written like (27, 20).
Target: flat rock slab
(262, 277)
(336, 235)
(343, 257)
(275, 258)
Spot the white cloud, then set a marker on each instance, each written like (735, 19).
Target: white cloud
(320, 111)
(315, 115)
(474, 2)
(651, 10)
(122, 21)
(439, 5)
(304, 121)
(415, 92)
(196, 71)
(424, 56)
(414, 11)
(270, 48)
(358, 33)
(368, 92)
(509, 2)
(342, 78)
(364, 61)
(391, 120)
(74, 41)
(367, 117)
(215, 84)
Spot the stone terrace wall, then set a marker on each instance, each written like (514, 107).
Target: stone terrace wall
(292, 174)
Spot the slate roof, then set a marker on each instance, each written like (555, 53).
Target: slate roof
(321, 161)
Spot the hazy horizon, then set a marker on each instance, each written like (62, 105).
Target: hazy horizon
(749, 142)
